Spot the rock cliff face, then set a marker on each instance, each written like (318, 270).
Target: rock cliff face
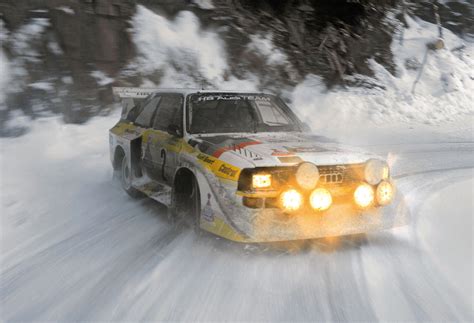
(78, 38)
(66, 54)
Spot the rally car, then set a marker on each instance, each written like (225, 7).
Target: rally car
(246, 168)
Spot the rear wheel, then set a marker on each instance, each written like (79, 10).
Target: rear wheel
(126, 179)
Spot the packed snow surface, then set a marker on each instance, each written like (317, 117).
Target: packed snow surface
(75, 247)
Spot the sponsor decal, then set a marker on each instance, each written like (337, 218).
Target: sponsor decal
(232, 97)
(206, 159)
(207, 212)
(229, 171)
(218, 167)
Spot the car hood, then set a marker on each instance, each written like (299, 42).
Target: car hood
(277, 149)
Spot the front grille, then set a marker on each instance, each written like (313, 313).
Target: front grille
(332, 174)
(332, 178)
(340, 173)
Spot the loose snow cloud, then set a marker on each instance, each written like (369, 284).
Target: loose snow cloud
(178, 46)
(265, 47)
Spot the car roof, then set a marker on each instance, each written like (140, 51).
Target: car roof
(197, 91)
(141, 93)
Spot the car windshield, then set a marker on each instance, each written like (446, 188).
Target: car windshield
(224, 113)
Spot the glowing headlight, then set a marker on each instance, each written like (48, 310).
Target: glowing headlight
(364, 195)
(375, 171)
(261, 180)
(320, 199)
(291, 200)
(307, 176)
(384, 193)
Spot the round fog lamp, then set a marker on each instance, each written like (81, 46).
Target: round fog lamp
(291, 200)
(320, 199)
(364, 195)
(307, 176)
(384, 193)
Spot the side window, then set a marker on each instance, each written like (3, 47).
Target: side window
(146, 115)
(170, 111)
(136, 106)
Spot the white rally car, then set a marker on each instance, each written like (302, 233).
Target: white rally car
(245, 168)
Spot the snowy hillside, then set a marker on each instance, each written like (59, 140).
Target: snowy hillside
(441, 98)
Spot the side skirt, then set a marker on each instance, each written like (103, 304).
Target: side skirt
(156, 191)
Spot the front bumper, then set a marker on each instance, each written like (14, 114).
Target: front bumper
(340, 219)
(273, 224)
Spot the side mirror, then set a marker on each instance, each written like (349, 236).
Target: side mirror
(174, 130)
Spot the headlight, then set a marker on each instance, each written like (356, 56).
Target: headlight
(320, 199)
(384, 193)
(291, 200)
(261, 180)
(307, 176)
(364, 195)
(376, 171)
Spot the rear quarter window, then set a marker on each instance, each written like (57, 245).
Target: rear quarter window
(146, 115)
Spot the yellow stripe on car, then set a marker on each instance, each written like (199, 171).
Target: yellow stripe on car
(220, 168)
(219, 227)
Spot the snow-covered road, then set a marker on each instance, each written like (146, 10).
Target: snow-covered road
(74, 247)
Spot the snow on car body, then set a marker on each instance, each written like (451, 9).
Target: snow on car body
(243, 165)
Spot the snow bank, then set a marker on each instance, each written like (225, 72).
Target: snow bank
(444, 93)
(448, 213)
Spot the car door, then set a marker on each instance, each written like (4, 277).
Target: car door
(161, 145)
(145, 120)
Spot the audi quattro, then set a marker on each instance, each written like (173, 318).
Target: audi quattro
(244, 167)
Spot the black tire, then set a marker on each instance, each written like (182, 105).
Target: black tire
(186, 207)
(195, 210)
(125, 177)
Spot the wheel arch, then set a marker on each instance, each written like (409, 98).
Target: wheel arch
(182, 179)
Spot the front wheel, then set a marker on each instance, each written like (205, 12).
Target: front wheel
(195, 210)
(186, 206)
(126, 179)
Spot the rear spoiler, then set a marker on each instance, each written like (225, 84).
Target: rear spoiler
(131, 97)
